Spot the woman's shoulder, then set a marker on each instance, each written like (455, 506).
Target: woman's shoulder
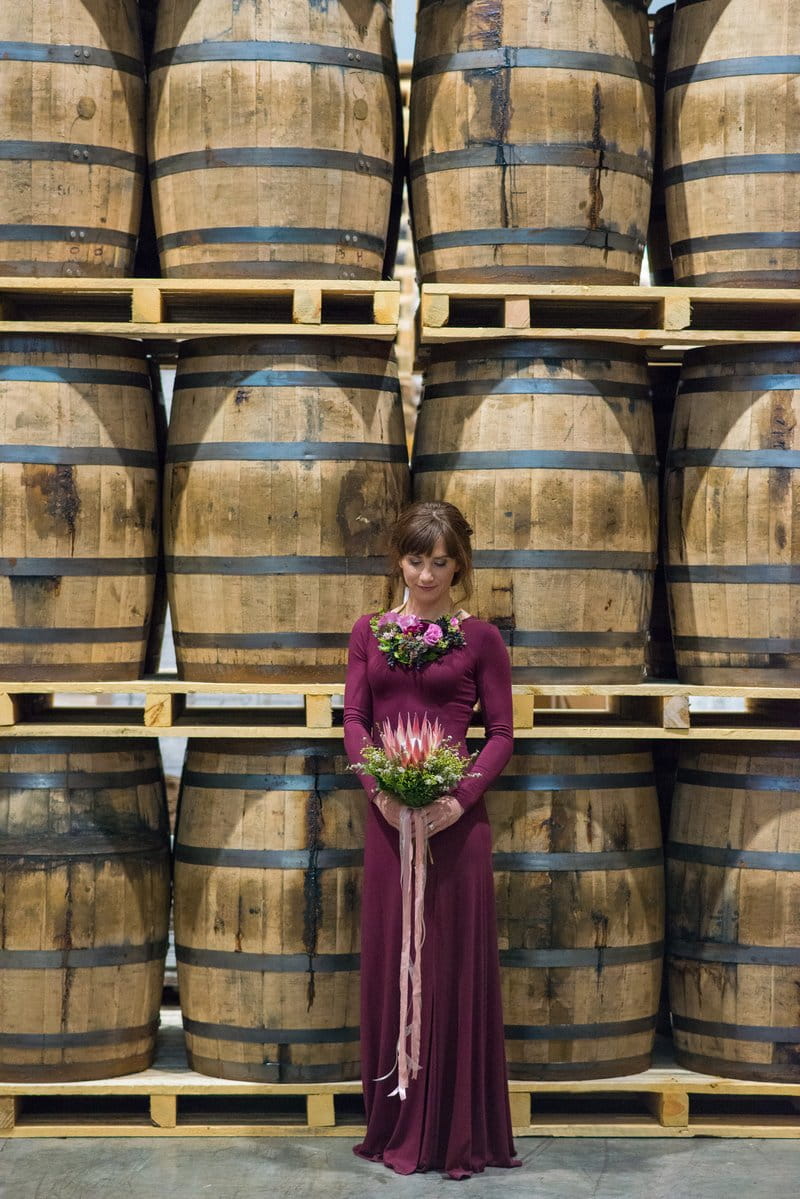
(482, 632)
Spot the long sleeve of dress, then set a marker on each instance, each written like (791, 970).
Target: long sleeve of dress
(358, 721)
(493, 678)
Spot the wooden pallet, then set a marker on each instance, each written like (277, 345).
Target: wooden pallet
(673, 317)
(644, 711)
(170, 1100)
(164, 311)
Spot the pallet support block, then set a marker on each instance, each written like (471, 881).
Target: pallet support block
(386, 307)
(319, 711)
(164, 1111)
(307, 306)
(320, 1111)
(147, 305)
(163, 711)
(9, 1110)
(9, 708)
(670, 1108)
(523, 711)
(434, 310)
(676, 312)
(520, 1104)
(517, 312)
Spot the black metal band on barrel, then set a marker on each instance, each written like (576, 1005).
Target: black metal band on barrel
(269, 859)
(733, 164)
(579, 1032)
(77, 1040)
(574, 782)
(268, 963)
(716, 855)
(53, 455)
(734, 68)
(39, 635)
(726, 383)
(573, 748)
(599, 239)
(260, 640)
(69, 745)
(271, 1036)
(300, 157)
(78, 56)
(277, 565)
(738, 782)
(269, 782)
(563, 560)
(264, 234)
(21, 568)
(787, 1035)
(786, 573)
(546, 638)
(79, 780)
(272, 378)
(313, 53)
(73, 374)
(596, 957)
(545, 863)
(604, 388)
(736, 241)
(747, 459)
(77, 234)
(81, 959)
(739, 645)
(582, 156)
(83, 846)
(642, 464)
(734, 953)
(78, 155)
(286, 451)
(500, 57)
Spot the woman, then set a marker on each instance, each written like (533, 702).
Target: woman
(455, 1115)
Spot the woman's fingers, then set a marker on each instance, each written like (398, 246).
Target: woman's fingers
(442, 813)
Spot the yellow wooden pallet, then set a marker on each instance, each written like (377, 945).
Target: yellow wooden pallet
(170, 1100)
(648, 316)
(163, 311)
(170, 707)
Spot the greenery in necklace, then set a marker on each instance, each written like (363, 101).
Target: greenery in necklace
(408, 640)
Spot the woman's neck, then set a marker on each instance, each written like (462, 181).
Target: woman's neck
(415, 609)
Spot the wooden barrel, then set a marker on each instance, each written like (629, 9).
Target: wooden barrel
(79, 494)
(72, 140)
(732, 144)
(659, 257)
(548, 449)
(272, 136)
(84, 906)
(733, 483)
(286, 465)
(531, 141)
(579, 887)
(268, 866)
(733, 895)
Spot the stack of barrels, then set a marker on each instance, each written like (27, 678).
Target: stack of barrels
(274, 147)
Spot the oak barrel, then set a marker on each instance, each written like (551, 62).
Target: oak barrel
(579, 887)
(732, 143)
(268, 866)
(731, 499)
(286, 466)
(272, 138)
(548, 448)
(72, 139)
(531, 141)
(84, 906)
(733, 895)
(79, 495)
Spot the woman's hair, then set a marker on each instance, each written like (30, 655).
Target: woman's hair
(420, 526)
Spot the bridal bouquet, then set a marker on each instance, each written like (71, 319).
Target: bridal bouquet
(416, 762)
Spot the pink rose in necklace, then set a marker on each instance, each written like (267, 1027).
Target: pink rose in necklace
(432, 635)
(408, 623)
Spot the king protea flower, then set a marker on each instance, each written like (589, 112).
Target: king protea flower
(413, 743)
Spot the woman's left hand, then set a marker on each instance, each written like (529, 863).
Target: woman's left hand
(441, 814)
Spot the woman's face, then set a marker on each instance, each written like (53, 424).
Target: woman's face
(429, 577)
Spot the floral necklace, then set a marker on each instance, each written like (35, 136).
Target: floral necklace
(409, 640)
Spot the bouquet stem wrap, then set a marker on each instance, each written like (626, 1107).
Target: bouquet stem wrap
(413, 873)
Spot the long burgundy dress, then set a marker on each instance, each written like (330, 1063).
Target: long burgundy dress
(455, 1116)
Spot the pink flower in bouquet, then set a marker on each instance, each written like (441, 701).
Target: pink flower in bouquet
(412, 744)
(454, 622)
(387, 618)
(432, 635)
(408, 622)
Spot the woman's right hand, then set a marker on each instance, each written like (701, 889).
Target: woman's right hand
(389, 808)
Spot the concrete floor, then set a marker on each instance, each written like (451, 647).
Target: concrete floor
(553, 1168)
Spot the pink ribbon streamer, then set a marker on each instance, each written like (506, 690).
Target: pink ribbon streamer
(413, 874)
